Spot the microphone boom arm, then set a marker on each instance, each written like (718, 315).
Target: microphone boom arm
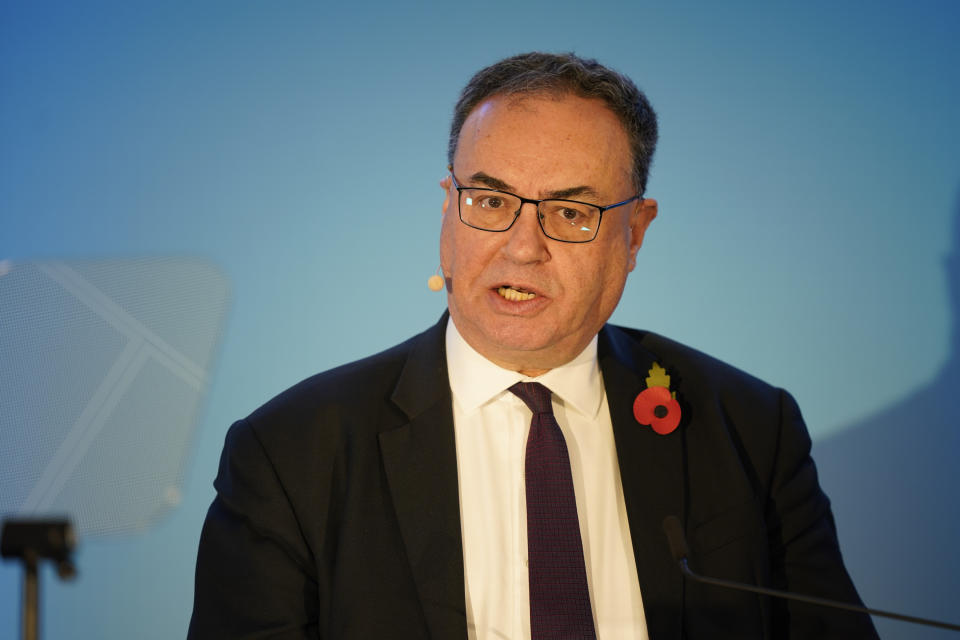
(680, 552)
(776, 593)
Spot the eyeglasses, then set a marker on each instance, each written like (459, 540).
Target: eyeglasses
(563, 220)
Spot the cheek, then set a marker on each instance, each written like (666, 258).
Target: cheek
(606, 284)
(463, 253)
(447, 248)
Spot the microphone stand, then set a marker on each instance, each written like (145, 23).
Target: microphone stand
(29, 541)
(31, 597)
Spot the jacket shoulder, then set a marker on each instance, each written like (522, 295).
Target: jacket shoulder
(691, 367)
(362, 389)
(371, 376)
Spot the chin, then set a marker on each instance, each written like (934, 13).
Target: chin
(530, 347)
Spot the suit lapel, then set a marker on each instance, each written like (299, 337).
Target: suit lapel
(653, 477)
(420, 461)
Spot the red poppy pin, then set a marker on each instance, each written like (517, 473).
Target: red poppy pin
(656, 406)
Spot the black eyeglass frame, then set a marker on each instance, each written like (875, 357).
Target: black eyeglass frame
(536, 203)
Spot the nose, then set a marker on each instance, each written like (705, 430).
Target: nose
(525, 240)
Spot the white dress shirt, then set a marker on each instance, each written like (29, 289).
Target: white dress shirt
(491, 426)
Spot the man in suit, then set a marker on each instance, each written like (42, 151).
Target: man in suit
(403, 496)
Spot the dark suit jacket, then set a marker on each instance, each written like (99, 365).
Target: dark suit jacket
(337, 508)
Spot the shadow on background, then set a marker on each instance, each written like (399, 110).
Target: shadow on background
(892, 478)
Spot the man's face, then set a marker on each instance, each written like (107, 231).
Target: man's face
(540, 147)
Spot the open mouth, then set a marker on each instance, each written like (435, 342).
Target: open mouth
(515, 295)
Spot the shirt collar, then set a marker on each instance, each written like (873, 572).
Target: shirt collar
(474, 380)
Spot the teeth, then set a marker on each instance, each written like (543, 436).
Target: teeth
(515, 295)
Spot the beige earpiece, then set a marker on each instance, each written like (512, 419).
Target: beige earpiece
(435, 282)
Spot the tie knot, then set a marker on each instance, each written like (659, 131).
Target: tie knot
(534, 395)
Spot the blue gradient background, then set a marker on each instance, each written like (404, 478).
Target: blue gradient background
(807, 177)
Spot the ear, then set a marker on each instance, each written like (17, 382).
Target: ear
(445, 184)
(643, 214)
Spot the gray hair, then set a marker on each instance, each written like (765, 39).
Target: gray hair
(561, 74)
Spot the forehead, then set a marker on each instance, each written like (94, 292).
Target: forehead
(548, 140)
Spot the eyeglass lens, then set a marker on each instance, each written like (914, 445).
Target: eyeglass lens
(560, 219)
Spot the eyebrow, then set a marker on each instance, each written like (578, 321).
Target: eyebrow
(500, 185)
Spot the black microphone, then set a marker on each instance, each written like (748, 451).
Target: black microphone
(679, 550)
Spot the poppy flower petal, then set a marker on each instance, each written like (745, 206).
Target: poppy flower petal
(655, 407)
(667, 421)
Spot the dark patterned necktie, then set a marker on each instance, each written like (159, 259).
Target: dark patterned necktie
(559, 597)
